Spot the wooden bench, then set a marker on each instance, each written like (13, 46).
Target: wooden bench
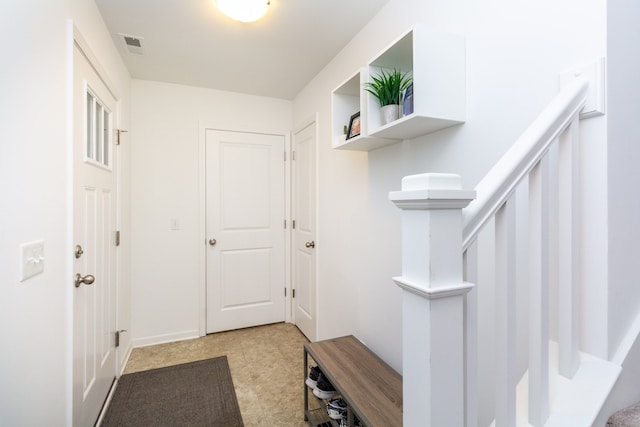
(371, 388)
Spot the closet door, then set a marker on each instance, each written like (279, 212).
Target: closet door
(245, 212)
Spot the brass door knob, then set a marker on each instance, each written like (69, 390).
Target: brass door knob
(311, 244)
(213, 242)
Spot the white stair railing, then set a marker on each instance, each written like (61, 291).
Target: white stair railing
(435, 218)
(528, 160)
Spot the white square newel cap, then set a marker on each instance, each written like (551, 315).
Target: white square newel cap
(432, 191)
(432, 243)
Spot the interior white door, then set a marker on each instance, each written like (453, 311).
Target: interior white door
(245, 213)
(304, 244)
(94, 198)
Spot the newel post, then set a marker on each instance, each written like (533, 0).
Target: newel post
(432, 301)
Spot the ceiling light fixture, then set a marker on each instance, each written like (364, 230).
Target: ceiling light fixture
(244, 10)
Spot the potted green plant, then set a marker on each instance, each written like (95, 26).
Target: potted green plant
(387, 87)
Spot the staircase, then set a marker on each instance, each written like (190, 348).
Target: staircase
(474, 359)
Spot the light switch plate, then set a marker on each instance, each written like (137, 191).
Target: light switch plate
(594, 72)
(31, 259)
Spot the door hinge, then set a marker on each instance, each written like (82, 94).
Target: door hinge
(285, 292)
(285, 224)
(293, 224)
(118, 336)
(293, 293)
(118, 132)
(118, 238)
(285, 156)
(293, 155)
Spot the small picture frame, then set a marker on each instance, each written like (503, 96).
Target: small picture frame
(354, 126)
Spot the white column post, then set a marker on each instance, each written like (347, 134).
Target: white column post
(433, 291)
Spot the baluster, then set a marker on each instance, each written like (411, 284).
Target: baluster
(568, 233)
(539, 293)
(470, 261)
(505, 313)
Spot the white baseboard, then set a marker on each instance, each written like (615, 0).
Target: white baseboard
(125, 360)
(163, 339)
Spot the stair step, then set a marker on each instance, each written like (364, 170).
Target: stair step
(580, 399)
(575, 402)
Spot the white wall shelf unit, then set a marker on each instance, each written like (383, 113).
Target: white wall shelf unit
(346, 100)
(436, 62)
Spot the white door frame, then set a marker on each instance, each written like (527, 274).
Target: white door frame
(202, 220)
(308, 121)
(75, 39)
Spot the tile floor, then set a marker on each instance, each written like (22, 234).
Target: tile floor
(266, 366)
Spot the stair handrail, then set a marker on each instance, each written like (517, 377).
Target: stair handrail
(500, 182)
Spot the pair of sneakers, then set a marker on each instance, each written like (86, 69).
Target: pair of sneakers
(356, 423)
(337, 409)
(320, 385)
(345, 423)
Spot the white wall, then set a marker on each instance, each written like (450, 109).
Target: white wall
(35, 315)
(165, 185)
(623, 155)
(623, 19)
(515, 52)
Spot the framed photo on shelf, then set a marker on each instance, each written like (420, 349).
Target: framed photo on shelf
(407, 100)
(354, 126)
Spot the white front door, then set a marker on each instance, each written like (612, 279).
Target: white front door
(245, 213)
(94, 226)
(304, 233)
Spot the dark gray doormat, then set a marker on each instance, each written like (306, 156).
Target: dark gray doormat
(192, 394)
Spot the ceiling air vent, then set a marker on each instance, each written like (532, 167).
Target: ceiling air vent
(132, 43)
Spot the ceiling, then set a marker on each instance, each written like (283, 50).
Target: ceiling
(190, 42)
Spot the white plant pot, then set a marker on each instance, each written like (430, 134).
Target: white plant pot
(389, 113)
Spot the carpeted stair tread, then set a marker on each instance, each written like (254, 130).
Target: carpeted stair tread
(628, 417)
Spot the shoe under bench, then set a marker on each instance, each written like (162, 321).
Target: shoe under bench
(369, 386)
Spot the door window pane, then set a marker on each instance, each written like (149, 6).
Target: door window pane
(90, 122)
(98, 136)
(106, 133)
(98, 131)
